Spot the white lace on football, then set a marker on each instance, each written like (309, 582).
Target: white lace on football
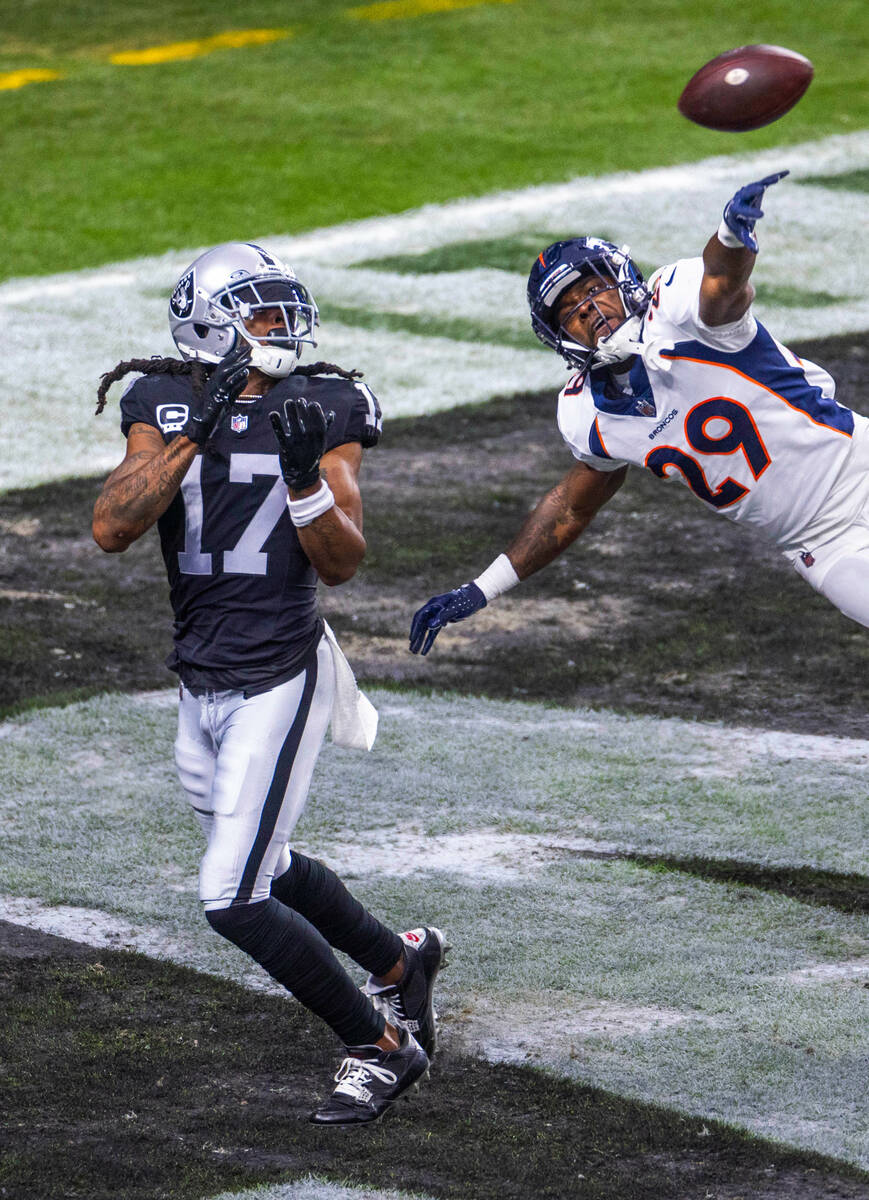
(353, 1075)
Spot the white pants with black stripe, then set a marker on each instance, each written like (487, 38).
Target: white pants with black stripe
(246, 766)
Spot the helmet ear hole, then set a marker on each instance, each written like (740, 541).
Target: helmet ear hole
(201, 331)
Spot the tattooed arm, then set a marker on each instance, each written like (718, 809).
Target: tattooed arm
(561, 516)
(141, 489)
(334, 541)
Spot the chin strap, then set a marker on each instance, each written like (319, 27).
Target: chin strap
(621, 344)
(276, 361)
(626, 341)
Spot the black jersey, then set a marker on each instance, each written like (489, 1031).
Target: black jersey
(242, 588)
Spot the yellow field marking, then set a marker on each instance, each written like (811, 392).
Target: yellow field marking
(17, 79)
(179, 51)
(395, 10)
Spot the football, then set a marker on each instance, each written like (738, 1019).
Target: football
(746, 88)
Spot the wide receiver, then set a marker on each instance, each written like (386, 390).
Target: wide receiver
(681, 378)
(249, 465)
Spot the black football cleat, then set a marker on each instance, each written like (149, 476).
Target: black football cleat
(368, 1086)
(408, 1004)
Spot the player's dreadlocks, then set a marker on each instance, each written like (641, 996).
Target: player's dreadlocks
(197, 371)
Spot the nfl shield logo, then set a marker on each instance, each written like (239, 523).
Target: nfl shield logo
(238, 422)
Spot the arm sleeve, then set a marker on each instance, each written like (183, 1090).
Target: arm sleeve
(678, 291)
(136, 406)
(357, 416)
(149, 399)
(577, 424)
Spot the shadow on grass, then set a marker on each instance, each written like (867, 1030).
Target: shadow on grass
(847, 892)
(131, 1078)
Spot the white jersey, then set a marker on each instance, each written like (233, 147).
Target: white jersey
(751, 429)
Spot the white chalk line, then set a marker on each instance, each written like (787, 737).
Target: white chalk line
(61, 332)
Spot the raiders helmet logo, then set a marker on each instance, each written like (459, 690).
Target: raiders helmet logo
(181, 303)
(264, 254)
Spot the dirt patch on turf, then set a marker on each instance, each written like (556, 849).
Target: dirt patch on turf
(662, 607)
(167, 1083)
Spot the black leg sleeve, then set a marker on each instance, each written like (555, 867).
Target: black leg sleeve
(315, 891)
(296, 955)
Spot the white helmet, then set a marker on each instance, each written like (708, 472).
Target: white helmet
(222, 289)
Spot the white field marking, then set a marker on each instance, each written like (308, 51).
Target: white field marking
(481, 1021)
(527, 1030)
(312, 1188)
(723, 744)
(857, 968)
(104, 931)
(61, 332)
(483, 855)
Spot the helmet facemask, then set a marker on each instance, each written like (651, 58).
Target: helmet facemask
(569, 262)
(566, 343)
(277, 351)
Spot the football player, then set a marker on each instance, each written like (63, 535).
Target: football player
(679, 377)
(249, 465)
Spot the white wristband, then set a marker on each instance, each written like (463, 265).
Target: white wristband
(498, 577)
(306, 510)
(728, 238)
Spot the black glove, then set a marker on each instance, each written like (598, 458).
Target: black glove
(429, 620)
(301, 434)
(225, 383)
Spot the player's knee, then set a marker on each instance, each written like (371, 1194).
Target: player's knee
(241, 924)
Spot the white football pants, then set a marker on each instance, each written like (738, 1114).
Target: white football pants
(846, 584)
(246, 766)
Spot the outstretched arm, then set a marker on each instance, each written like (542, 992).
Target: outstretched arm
(561, 516)
(728, 259)
(559, 519)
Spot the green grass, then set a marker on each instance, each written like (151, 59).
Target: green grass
(504, 254)
(350, 118)
(459, 329)
(793, 297)
(852, 181)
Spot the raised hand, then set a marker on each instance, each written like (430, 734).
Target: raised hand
(301, 434)
(429, 620)
(225, 383)
(743, 209)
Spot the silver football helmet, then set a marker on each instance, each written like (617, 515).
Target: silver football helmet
(223, 289)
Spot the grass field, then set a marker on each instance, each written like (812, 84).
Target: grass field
(634, 792)
(350, 116)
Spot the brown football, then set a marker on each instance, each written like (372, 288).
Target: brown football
(746, 88)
